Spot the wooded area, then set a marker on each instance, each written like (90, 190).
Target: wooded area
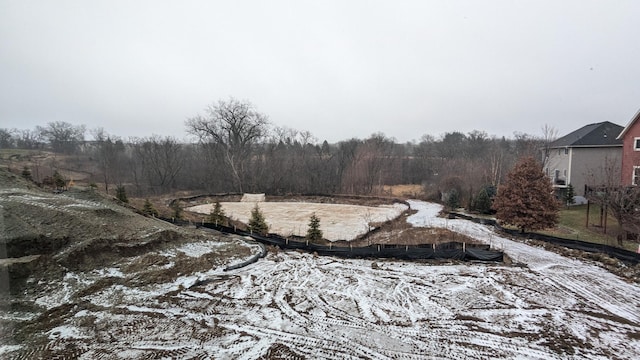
(279, 161)
(234, 148)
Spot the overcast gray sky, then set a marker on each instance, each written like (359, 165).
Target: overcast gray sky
(339, 69)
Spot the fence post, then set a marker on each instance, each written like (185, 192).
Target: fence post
(464, 247)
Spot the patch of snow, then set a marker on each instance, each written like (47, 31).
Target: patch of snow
(66, 332)
(108, 272)
(579, 200)
(70, 283)
(198, 249)
(6, 349)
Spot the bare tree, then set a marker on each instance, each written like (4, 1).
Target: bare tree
(496, 163)
(526, 145)
(347, 156)
(621, 201)
(452, 145)
(624, 203)
(6, 139)
(477, 144)
(233, 127)
(62, 136)
(549, 135)
(28, 139)
(162, 160)
(108, 152)
(372, 158)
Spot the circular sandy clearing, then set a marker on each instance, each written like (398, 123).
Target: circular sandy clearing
(337, 221)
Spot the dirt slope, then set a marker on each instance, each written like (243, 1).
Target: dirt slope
(79, 229)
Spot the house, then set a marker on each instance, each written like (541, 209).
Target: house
(584, 157)
(630, 137)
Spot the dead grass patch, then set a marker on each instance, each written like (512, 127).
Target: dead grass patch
(404, 191)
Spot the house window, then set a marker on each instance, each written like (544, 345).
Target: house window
(636, 176)
(636, 144)
(566, 151)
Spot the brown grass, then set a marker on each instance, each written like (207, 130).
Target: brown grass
(402, 191)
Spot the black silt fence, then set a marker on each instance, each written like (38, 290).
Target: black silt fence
(451, 250)
(251, 260)
(615, 252)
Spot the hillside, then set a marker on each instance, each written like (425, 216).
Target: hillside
(45, 236)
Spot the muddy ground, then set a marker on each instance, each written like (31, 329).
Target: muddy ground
(293, 305)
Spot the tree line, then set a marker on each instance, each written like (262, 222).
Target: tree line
(235, 148)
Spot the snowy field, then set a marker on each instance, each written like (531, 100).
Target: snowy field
(294, 305)
(337, 221)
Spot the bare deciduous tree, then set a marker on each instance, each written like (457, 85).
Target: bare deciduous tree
(162, 160)
(108, 151)
(549, 135)
(233, 127)
(62, 136)
(28, 139)
(623, 202)
(6, 139)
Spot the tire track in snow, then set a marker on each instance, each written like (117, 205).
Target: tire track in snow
(592, 284)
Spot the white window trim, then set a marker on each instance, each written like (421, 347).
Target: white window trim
(636, 144)
(633, 175)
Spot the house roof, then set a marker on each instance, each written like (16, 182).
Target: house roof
(598, 134)
(633, 120)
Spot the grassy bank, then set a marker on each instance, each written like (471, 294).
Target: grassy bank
(573, 225)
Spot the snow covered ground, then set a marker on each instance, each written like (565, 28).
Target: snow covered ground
(337, 221)
(293, 304)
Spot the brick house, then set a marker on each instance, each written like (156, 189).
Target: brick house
(579, 157)
(630, 137)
